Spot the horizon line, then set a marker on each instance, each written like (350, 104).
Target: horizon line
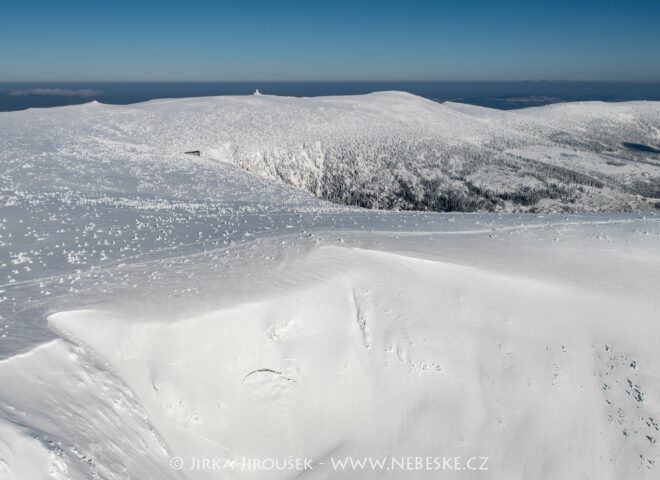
(336, 81)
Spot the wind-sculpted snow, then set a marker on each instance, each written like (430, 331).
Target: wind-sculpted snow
(156, 305)
(516, 343)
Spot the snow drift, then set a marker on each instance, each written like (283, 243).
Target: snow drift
(364, 353)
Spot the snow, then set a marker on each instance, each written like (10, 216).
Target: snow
(158, 306)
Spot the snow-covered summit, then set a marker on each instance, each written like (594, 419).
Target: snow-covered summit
(389, 150)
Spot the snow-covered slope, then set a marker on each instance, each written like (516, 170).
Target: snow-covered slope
(159, 306)
(385, 150)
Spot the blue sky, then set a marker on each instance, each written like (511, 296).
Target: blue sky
(108, 40)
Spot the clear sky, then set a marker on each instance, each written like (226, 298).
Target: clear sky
(108, 40)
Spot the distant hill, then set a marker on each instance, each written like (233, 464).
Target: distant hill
(393, 150)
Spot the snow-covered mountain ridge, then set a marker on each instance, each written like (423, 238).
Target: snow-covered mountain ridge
(393, 150)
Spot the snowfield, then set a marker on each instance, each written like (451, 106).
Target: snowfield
(158, 308)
